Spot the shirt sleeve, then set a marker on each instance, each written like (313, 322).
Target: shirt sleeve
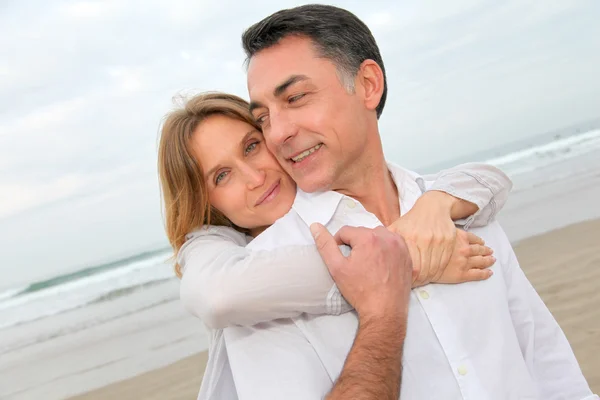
(544, 346)
(482, 184)
(225, 284)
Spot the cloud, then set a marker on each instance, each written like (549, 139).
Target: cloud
(90, 10)
(23, 196)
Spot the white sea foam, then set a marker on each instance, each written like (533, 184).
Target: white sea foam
(80, 292)
(12, 292)
(536, 157)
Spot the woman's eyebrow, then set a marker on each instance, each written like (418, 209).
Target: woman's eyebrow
(247, 136)
(242, 143)
(212, 171)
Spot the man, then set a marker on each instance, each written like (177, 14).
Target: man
(317, 86)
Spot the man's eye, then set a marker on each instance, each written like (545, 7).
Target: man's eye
(250, 147)
(261, 119)
(220, 177)
(295, 98)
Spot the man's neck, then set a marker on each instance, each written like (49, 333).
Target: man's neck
(371, 183)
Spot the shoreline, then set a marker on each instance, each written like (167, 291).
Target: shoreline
(563, 265)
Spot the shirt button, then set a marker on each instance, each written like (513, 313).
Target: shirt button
(424, 294)
(462, 370)
(350, 203)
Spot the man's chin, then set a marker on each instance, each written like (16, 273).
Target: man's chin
(313, 184)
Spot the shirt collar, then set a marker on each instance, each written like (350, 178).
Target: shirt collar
(316, 207)
(320, 206)
(404, 177)
(410, 186)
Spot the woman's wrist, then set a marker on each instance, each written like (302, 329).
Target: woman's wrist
(455, 207)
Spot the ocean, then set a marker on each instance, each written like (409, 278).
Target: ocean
(39, 312)
(103, 283)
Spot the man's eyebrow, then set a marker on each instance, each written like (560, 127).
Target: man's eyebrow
(289, 82)
(254, 105)
(279, 90)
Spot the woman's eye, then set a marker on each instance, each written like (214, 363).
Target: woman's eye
(250, 147)
(220, 177)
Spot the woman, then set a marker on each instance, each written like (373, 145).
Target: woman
(221, 187)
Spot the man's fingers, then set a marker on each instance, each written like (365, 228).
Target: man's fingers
(479, 262)
(474, 239)
(348, 234)
(327, 246)
(478, 274)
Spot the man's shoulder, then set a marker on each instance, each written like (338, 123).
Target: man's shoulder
(294, 227)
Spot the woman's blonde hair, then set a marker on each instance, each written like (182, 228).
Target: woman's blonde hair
(184, 189)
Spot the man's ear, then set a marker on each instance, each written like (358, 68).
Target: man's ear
(370, 78)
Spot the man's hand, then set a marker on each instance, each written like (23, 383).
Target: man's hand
(376, 277)
(431, 238)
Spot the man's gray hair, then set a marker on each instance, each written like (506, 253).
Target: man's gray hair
(337, 35)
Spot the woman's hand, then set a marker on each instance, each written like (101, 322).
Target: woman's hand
(469, 261)
(439, 251)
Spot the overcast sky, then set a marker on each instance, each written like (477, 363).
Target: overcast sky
(84, 85)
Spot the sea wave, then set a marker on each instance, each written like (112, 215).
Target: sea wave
(13, 292)
(101, 270)
(541, 155)
(84, 287)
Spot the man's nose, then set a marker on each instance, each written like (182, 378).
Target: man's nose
(281, 130)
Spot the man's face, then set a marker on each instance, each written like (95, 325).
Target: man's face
(313, 125)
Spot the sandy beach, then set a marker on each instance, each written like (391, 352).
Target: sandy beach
(179, 380)
(563, 265)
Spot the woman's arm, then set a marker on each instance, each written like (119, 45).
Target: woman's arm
(472, 194)
(225, 284)
(482, 185)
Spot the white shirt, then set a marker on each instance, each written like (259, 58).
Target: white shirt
(226, 284)
(480, 340)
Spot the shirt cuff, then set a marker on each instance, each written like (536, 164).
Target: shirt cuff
(333, 304)
(464, 222)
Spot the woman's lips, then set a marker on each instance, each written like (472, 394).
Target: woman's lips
(269, 194)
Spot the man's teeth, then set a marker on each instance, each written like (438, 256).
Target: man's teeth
(305, 154)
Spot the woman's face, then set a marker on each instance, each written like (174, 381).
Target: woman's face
(245, 182)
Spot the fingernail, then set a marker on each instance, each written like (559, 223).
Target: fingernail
(315, 229)
(491, 272)
(493, 258)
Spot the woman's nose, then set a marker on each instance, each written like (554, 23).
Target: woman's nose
(255, 177)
